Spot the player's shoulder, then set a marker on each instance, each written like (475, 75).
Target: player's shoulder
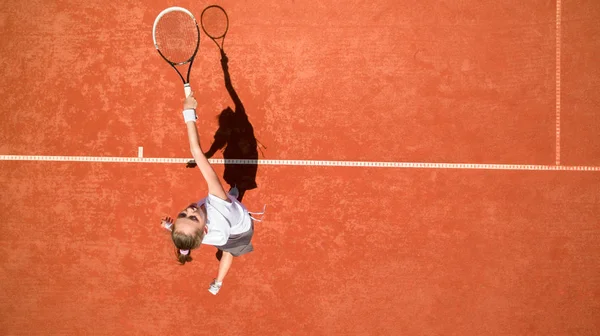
(215, 200)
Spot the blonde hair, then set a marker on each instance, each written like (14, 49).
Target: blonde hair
(186, 242)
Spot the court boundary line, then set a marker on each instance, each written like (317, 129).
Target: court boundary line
(558, 73)
(319, 163)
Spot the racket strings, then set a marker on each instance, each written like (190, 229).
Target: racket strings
(214, 22)
(177, 36)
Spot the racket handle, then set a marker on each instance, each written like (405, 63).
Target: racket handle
(187, 89)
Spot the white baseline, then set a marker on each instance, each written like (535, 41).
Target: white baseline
(372, 164)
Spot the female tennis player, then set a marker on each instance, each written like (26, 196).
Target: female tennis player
(219, 219)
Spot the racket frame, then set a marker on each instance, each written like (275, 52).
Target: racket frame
(186, 81)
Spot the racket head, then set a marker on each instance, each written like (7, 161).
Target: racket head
(176, 35)
(214, 22)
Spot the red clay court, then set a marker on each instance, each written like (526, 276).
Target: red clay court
(431, 168)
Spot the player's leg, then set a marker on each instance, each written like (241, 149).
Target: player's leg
(224, 265)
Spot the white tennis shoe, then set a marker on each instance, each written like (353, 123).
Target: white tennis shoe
(215, 287)
(234, 192)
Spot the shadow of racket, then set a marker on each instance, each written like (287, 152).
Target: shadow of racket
(215, 24)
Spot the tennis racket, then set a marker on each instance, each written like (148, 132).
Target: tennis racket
(176, 38)
(215, 24)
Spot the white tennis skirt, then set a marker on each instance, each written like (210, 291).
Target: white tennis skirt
(239, 244)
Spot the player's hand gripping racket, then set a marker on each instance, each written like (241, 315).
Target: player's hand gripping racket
(177, 38)
(215, 24)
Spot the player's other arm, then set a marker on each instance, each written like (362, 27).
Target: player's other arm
(212, 180)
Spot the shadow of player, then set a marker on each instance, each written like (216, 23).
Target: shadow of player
(236, 135)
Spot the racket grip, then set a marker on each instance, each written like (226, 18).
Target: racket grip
(187, 89)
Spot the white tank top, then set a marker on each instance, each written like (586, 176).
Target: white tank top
(224, 219)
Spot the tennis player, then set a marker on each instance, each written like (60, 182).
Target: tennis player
(219, 219)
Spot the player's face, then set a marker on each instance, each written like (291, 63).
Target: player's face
(190, 220)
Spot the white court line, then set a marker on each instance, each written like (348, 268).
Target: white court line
(140, 152)
(558, 52)
(373, 164)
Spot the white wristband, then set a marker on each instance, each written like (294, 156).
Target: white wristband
(189, 115)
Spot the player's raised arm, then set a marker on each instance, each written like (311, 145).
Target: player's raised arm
(214, 183)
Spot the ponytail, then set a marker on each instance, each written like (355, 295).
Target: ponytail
(185, 244)
(183, 258)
